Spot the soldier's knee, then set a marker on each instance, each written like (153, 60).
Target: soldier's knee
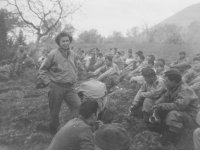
(147, 105)
(173, 119)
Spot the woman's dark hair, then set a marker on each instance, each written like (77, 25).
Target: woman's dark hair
(63, 34)
(88, 108)
(108, 57)
(174, 77)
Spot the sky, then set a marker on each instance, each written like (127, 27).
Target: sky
(107, 16)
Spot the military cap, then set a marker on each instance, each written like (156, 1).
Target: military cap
(173, 72)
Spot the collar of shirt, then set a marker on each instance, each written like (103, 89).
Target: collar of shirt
(64, 52)
(82, 118)
(175, 88)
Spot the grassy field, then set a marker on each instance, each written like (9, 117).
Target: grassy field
(24, 113)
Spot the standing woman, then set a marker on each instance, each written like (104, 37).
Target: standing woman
(59, 72)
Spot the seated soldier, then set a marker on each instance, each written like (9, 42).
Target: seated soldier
(118, 60)
(136, 61)
(182, 64)
(136, 66)
(109, 73)
(100, 61)
(81, 56)
(163, 61)
(86, 60)
(148, 58)
(192, 77)
(123, 56)
(6, 71)
(129, 59)
(92, 62)
(112, 137)
(95, 90)
(76, 134)
(140, 79)
(139, 65)
(81, 70)
(148, 94)
(177, 108)
(159, 68)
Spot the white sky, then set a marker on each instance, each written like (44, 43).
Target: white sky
(121, 15)
(107, 16)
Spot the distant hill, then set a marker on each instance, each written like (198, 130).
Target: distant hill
(184, 17)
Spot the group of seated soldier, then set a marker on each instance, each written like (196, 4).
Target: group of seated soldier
(169, 97)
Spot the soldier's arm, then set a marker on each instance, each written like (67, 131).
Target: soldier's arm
(183, 64)
(107, 73)
(138, 96)
(162, 99)
(181, 102)
(44, 69)
(160, 88)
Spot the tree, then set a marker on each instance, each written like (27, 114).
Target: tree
(49, 39)
(145, 30)
(91, 36)
(12, 21)
(192, 33)
(69, 29)
(133, 32)
(168, 33)
(3, 35)
(116, 37)
(38, 14)
(50, 36)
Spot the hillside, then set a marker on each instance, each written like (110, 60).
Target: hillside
(185, 16)
(24, 112)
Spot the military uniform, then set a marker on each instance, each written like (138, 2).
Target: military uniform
(192, 78)
(60, 72)
(180, 107)
(149, 94)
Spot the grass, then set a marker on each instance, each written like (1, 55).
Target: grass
(24, 112)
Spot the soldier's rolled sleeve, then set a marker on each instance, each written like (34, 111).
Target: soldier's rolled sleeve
(138, 96)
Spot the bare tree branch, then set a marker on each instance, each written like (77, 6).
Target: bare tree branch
(44, 18)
